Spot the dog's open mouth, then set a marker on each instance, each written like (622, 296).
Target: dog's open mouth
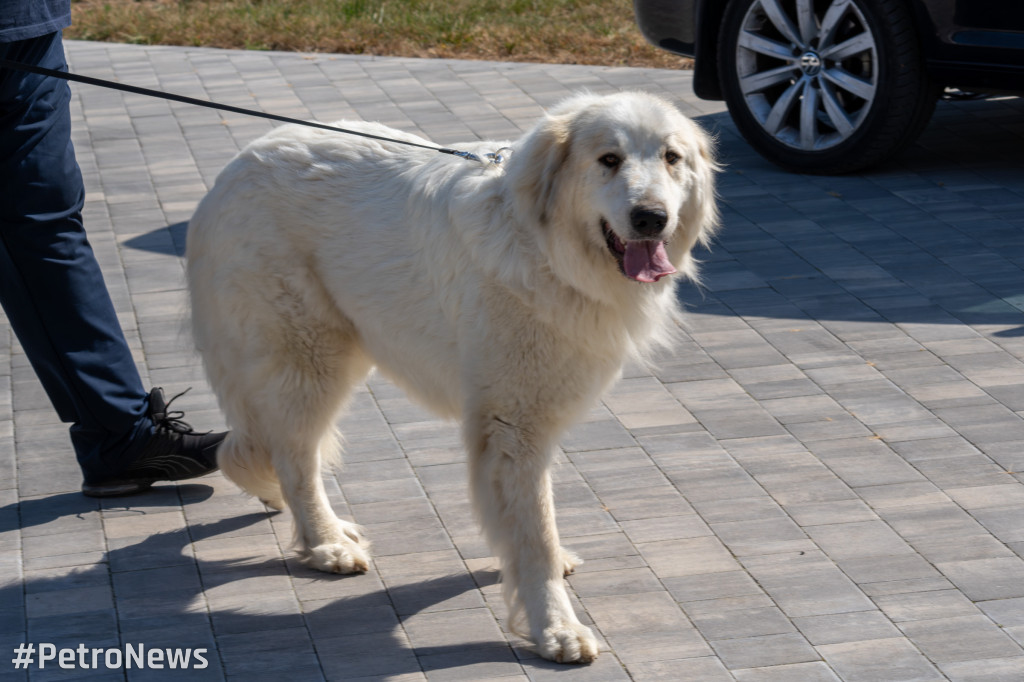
(642, 260)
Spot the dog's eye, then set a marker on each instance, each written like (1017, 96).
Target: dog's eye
(610, 161)
(671, 157)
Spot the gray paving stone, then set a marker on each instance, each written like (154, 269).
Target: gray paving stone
(982, 546)
(615, 582)
(989, 670)
(762, 536)
(707, 669)
(858, 539)
(1004, 612)
(874, 570)
(944, 519)
(274, 651)
(806, 584)
(711, 586)
(687, 556)
(846, 627)
(764, 651)
(665, 528)
(879, 659)
(960, 638)
(739, 623)
(802, 672)
(367, 655)
(649, 625)
(983, 579)
(923, 606)
(830, 512)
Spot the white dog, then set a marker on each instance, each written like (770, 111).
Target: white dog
(506, 295)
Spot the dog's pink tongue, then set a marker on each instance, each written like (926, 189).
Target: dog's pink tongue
(646, 261)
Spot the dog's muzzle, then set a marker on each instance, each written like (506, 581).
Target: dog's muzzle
(641, 260)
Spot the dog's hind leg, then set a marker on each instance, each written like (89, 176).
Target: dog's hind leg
(324, 541)
(246, 463)
(511, 489)
(306, 441)
(283, 360)
(283, 437)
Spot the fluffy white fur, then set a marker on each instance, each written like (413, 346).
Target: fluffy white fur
(490, 294)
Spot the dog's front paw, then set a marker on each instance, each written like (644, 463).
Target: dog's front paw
(347, 554)
(344, 557)
(568, 643)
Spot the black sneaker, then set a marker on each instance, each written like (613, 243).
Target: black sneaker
(174, 452)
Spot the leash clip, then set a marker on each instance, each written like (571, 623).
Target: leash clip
(499, 157)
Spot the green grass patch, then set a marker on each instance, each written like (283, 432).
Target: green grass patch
(556, 31)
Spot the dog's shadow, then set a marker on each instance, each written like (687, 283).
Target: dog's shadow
(163, 597)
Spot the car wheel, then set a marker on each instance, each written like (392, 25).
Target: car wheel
(824, 86)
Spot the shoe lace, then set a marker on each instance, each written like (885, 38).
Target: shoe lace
(173, 420)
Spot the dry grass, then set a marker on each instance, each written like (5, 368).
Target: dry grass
(557, 31)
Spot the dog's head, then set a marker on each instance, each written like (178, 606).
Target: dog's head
(624, 181)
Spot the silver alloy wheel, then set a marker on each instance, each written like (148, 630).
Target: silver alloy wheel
(807, 70)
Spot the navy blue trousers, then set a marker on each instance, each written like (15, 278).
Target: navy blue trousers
(50, 283)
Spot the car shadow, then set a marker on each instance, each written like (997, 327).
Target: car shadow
(935, 237)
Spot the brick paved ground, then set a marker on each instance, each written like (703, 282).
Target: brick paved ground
(819, 484)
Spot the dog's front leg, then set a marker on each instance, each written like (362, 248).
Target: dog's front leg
(511, 490)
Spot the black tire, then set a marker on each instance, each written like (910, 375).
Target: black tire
(840, 91)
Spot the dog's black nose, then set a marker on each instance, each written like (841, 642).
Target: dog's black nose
(648, 222)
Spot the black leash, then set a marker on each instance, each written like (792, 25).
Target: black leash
(88, 80)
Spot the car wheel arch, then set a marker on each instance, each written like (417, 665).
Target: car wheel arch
(706, 82)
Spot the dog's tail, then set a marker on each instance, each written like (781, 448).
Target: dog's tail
(249, 465)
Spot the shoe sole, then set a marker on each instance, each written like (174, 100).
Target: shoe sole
(118, 489)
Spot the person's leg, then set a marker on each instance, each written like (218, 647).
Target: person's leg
(51, 286)
(56, 300)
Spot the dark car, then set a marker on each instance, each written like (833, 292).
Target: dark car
(834, 86)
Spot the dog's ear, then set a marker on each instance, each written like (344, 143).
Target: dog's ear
(535, 166)
(702, 214)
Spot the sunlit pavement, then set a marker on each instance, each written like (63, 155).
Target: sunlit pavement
(819, 483)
